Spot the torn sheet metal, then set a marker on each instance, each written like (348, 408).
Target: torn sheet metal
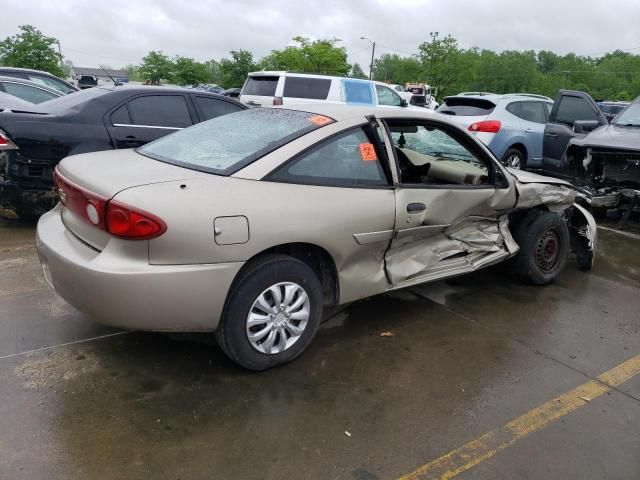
(413, 258)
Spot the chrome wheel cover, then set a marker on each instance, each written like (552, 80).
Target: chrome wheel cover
(278, 317)
(513, 161)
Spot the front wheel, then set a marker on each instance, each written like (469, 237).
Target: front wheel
(272, 314)
(543, 238)
(514, 158)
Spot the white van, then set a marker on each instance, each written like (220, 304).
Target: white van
(263, 89)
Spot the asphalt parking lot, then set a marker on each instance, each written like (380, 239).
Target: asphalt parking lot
(480, 377)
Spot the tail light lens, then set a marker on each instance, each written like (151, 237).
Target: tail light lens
(277, 100)
(115, 217)
(6, 143)
(127, 222)
(487, 126)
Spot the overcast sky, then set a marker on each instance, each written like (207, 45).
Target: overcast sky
(119, 32)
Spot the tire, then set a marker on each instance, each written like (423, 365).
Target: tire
(514, 158)
(274, 340)
(544, 243)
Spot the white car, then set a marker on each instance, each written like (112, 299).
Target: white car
(263, 89)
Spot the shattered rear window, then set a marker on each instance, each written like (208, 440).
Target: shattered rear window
(224, 145)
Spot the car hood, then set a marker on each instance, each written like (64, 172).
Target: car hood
(529, 177)
(611, 136)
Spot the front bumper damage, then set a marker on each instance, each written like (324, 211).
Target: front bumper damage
(26, 187)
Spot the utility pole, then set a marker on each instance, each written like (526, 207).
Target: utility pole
(373, 53)
(60, 53)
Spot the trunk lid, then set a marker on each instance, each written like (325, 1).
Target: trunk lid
(104, 174)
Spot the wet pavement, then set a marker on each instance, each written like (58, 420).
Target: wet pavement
(79, 400)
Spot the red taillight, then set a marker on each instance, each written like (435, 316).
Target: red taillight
(115, 217)
(87, 205)
(127, 222)
(488, 126)
(277, 100)
(6, 143)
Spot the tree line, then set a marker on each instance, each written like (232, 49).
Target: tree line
(440, 62)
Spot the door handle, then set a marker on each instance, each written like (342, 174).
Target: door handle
(529, 130)
(551, 135)
(252, 103)
(416, 207)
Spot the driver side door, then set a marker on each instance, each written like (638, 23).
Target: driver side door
(450, 195)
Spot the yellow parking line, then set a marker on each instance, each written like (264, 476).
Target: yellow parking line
(486, 446)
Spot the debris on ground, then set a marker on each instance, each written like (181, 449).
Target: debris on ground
(387, 334)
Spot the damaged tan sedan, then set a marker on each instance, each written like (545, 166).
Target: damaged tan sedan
(253, 224)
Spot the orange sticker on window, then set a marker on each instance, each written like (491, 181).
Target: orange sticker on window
(368, 152)
(320, 120)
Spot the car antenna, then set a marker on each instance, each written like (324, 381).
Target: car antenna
(115, 84)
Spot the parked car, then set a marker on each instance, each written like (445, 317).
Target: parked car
(28, 91)
(209, 88)
(231, 92)
(422, 95)
(402, 92)
(611, 109)
(39, 77)
(251, 225)
(511, 125)
(291, 89)
(87, 81)
(602, 158)
(10, 102)
(100, 118)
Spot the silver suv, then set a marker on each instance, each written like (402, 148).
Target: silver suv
(511, 125)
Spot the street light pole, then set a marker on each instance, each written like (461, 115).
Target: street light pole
(60, 53)
(373, 53)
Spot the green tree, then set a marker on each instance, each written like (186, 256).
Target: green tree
(215, 76)
(155, 67)
(356, 71)
(233, 71)
(31, 49)
(189, 72)
(438, 58)
(318, 56)
(392, 68)
(133, 73)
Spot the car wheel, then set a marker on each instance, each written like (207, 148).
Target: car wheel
(272, 313)
(543, 238)
(514, 158)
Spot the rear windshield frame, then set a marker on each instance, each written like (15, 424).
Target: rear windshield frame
(239, 165)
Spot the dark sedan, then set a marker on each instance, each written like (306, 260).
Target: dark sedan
(32, 143)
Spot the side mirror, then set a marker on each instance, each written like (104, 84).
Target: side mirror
(403, 102)
(500, 180)
(585, 126)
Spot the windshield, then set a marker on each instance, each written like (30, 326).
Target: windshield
(629, 117)
(226, 144)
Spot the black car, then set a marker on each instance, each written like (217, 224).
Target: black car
(40, 77)
(87, 81)
(100, 118)
(231, 92)
(602, 159)
(611, 109)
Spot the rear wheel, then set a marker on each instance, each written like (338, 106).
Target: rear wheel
(514, 158)
(272, 313)
(543, 238)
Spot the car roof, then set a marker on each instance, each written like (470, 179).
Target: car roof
(31, 70)
(342, 112)
(496, 97)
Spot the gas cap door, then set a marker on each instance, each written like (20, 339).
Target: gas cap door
(232, 230)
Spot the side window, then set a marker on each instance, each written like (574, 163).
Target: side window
(571, 109)
(121, 116)
(160, 111)
(358, 91)
(306, 87)
(514, 107)
(27, 92)
(211, 107)
(386, 96)
(350, 160)
(533, 112)
(428, 155)
(50, 82)
(548, 107)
